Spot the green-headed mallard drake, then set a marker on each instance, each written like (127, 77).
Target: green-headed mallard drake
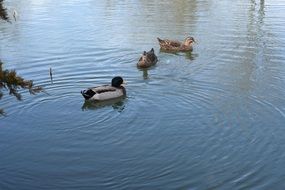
(106, 92)
(147, 59)
(173, 45)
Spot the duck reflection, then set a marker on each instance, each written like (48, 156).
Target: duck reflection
(191, 56)
(116, 104)
(144, 73)
(12, 82)
(188, 55)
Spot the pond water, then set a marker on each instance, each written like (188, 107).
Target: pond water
(210, 119)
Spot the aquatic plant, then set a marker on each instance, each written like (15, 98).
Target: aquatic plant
(10, 81)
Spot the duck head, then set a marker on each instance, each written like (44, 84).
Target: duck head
(189, 41)
(117, 81)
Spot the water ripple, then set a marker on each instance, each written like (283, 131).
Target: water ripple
(210, 119)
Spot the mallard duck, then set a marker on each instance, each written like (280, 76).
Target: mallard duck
(147, 59)
(173, 45)
(106, 92)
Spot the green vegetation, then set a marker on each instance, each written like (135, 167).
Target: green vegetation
(10, 81)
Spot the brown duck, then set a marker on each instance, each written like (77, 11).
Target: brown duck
(173, 45)
(147, 59)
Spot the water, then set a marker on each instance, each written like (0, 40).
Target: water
(213, 119)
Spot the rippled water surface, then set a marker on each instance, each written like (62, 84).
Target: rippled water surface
(210, 119)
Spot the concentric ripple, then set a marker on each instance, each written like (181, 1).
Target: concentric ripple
(209, 119)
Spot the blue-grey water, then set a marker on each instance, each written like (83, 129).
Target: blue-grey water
(210, 119)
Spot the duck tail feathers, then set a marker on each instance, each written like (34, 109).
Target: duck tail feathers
(87, 94)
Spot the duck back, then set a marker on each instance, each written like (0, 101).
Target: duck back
(102, 93)
(147, 59)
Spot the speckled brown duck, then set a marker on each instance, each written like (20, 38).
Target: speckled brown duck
(147, 59)
(173, 45)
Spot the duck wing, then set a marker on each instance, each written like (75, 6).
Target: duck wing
(89, 93)
(170, 43)
(103, 89)
(152, 57)
(173, 43)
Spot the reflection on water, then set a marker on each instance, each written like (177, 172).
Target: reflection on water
(3, 12)
(145, 73)
(50, 74)
(11, 82)
(188, 55)
(209, 119)
(117, 104)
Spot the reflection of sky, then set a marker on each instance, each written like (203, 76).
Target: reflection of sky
(57, 25)
(227, 95)
(61, 27)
